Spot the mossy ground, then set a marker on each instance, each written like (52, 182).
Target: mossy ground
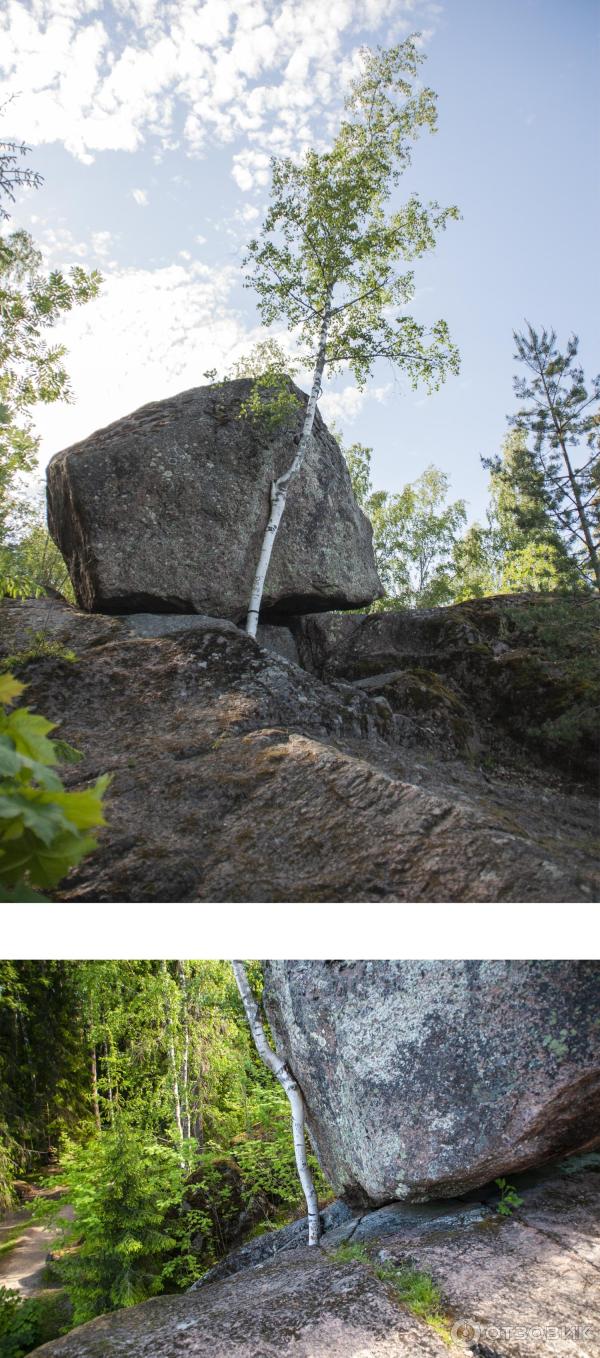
(411, 1286)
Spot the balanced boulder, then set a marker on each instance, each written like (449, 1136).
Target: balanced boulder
(164, 511)
(427, 1079)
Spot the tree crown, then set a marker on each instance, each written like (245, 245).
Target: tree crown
(328, 250)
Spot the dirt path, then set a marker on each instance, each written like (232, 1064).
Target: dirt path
(22, 1266)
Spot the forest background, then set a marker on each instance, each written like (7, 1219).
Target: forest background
(136, 1086)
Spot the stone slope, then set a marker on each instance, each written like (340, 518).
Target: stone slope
(518, 1287)
(165, 510)
(499, 674)
(238, 776)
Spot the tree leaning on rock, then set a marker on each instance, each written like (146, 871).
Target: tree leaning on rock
(326, 259)
(293, 1091)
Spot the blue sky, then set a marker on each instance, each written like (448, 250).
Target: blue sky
(153, 122)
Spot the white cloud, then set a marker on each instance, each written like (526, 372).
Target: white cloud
(250, 169)
(342, 407)
(141, 197)
(149, 334)
(112, 77)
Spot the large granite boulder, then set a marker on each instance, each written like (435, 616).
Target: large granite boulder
(164, 511)
(426, 1079)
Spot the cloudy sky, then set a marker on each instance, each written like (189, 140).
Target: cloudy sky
(153, 122)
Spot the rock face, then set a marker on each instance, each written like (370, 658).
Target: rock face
(492, 674)
(426, 1079)
(165, 511)
(522, 1287)
(219, 750)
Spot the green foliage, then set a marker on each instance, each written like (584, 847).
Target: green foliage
(417, 1291)
(527, 547)
(347, 1253)
(413, 1288)
(31, 369)
(272, 403)
(13, 174)
(126, 1190)
(40, 648)
(30, 562)
(509, 1198)
(91, 1054)
(415, 534)
(557, 478)
(18, 1327)
(328, 252)
(44, 830)
(27, 1322)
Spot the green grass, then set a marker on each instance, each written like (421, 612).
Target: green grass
(411, 1287)
(39, 649)
(11, 1237)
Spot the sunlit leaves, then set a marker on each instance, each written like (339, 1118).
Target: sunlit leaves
(43, 827)
(31, 369)
(327, 241)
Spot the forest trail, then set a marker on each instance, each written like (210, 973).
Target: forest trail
(22, 1266)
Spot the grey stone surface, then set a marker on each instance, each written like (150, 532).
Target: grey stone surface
(264, 1247)
(400, 1218)
(165, 510)
(219, 751)
(519, 1287)
(278, 640)
(502, 676)
(426, 1079)
(302, 1306)
(167, 624)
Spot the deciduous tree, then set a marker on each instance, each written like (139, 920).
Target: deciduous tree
(327, 259)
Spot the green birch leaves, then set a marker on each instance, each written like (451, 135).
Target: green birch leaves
(328, 239)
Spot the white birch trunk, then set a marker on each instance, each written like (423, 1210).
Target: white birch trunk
(172, 1057)
(280, 487)
(185, 1065)
(95, 1100)
(288, 1083)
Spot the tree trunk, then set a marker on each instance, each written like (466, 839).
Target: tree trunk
(280, 487)
(288, 1083)
(172, 1058)
(108, 1082)
(95, 1101)
(583, 518)
(185, 1064)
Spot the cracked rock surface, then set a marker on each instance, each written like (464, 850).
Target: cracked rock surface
(238, 776)
(525, 1286)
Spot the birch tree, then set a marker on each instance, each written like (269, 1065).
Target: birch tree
(294, 1093)
(327, 258)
